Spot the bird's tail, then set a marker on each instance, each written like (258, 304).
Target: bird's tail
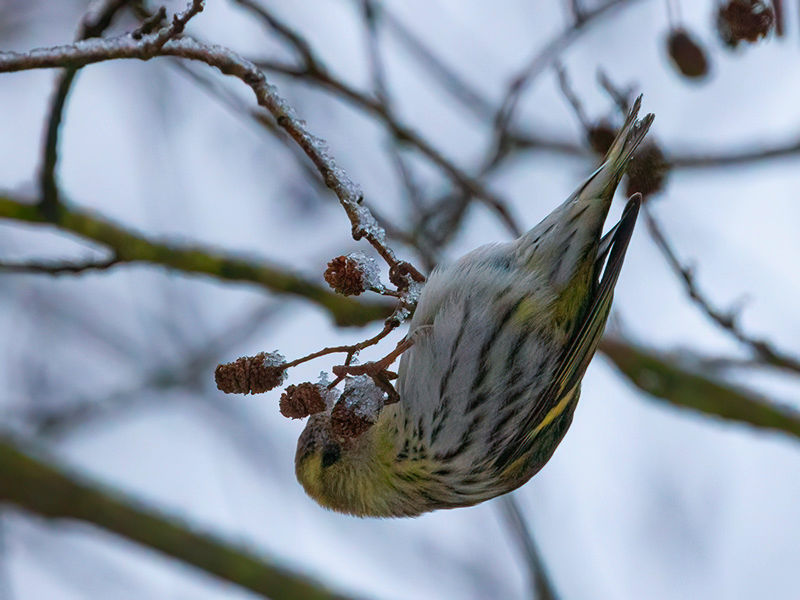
(590, 203)
(618, 157)
(564, 237)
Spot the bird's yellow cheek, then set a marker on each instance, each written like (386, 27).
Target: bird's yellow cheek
(309, 474)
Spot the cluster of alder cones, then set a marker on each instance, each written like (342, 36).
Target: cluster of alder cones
(354, 410)
(736, 22)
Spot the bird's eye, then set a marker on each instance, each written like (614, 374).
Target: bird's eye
(330, 454)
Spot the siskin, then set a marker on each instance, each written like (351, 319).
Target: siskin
(502, 339)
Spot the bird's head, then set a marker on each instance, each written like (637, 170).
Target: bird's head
(354, 476)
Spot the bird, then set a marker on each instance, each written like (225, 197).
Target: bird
(501, 340)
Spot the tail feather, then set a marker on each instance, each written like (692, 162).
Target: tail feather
(628, 139)
(570, 235)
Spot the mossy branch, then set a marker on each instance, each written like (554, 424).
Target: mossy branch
(131, 247)
(37, 487)
(666, 379)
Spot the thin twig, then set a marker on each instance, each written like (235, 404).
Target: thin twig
(92, 25)
(60, 268)
(577, 10)
(621, 97)
(297, 41)
(442, 74)
(571, 96)
(728, 321)
(373, 367)
(179, 22)
(314, 70)
(537, 64)
(523, 535)
(351, 350)
(371, 12)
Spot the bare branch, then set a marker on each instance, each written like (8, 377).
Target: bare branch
(668, 379)
(174, 29)
(516, 137)
(577, 10)
(572, 97)
(405, 135)
(762, 349)
(297, 41)
(131, 247)
(441, 73)
(125, 47)
(750, 153)
(59, 268)
(33, 485)
(92, 25)
(523, 536)
(350, 350)
(540, 61)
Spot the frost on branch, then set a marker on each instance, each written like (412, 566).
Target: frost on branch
(251, 374)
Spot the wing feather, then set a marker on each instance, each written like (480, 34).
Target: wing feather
(581, 349)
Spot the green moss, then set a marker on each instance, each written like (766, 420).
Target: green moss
(132, 247)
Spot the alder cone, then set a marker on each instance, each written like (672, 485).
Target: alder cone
(687, 54)
(647, 171)
(744, 20)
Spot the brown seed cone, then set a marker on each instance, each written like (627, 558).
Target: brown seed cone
(345, 423)
(302, 400)
(345, 275)
(249, 375)
(648, 170)
(687, 54)
(744, 20)
(601, 136)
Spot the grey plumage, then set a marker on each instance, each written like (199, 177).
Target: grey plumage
(502, 339)
(493, 353)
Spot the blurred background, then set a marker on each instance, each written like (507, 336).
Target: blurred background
(679, 477)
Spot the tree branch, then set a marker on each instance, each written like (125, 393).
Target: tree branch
(59, 268)
(314, 70)
(523, 535)
(228, 62)
(92, 25)
(539, 62)
(295, 39)
(760, 347)
(665, 378)
(131, 247)
(37, 487)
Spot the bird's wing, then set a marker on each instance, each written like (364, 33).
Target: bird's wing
(584, 343)
(581, 349)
